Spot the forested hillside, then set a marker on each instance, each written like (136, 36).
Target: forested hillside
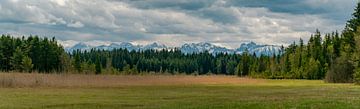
(332, 56)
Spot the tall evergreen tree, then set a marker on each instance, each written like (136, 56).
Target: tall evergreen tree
(97, 66)
(27, 64)
(353, 24)
(77, 62)
(17, 59)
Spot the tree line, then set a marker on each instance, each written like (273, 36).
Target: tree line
(334, 57)
(31, 54)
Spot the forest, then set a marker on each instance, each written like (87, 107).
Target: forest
(334, 57)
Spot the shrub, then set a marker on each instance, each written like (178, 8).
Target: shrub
(341, 71)
(357, 76)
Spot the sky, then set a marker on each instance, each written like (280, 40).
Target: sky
(173, 22)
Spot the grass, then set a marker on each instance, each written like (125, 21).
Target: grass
(173, 92)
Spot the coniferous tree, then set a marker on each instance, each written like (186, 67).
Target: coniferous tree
(353, 24)
(27, 64)
(17, 59)
(77, 63)
(97, 66)
(230, 67)
(336, 45)
(245, 61)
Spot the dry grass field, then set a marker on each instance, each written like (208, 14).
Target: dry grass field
(71, 91)
(21, 80)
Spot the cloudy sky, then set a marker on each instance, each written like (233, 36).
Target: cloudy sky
(173, 22)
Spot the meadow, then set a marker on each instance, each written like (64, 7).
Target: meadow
(71, 91)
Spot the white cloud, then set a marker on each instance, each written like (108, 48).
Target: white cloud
(60, 2)
(76, 24)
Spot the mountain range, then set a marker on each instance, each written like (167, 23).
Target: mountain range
(187, 48)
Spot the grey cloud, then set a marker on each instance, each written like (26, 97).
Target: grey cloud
(172, 22)
(166, 4)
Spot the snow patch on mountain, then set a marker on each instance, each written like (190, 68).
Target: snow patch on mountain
(258, 49)
(187, 48)
(202, 47)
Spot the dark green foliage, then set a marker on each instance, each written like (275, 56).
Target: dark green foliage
(245, 64)
(28, 54)
(27, 65)
(231, 67)
(350, 28)
(97, 66)
(162, 61)
(77, 62)
(341, 71)
(354, 22)
(17, 59)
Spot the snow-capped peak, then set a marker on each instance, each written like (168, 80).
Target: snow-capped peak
(68, 43)
(98, 43)
(252, 47)
(202, 47)
(186, 48)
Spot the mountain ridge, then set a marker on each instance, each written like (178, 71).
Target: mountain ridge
(187, 48)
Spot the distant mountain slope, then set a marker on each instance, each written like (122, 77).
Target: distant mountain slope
(202, 47)
(258, 49)
(186, 48)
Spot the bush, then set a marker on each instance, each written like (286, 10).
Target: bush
(357, 76)
(341, 71)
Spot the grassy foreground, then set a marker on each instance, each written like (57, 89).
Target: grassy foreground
(202, 92)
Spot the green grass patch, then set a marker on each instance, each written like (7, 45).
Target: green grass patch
(273, 94)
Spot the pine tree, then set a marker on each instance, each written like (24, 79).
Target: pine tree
(336, 45)
(312, 69)
(301, 53)
(350, 28)
(97, 66)
(17, 59)
(238, 70)
(77, 62)
(230, 68)
(353, 24)
(245, 64)
(27, 64)
(65, 63)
